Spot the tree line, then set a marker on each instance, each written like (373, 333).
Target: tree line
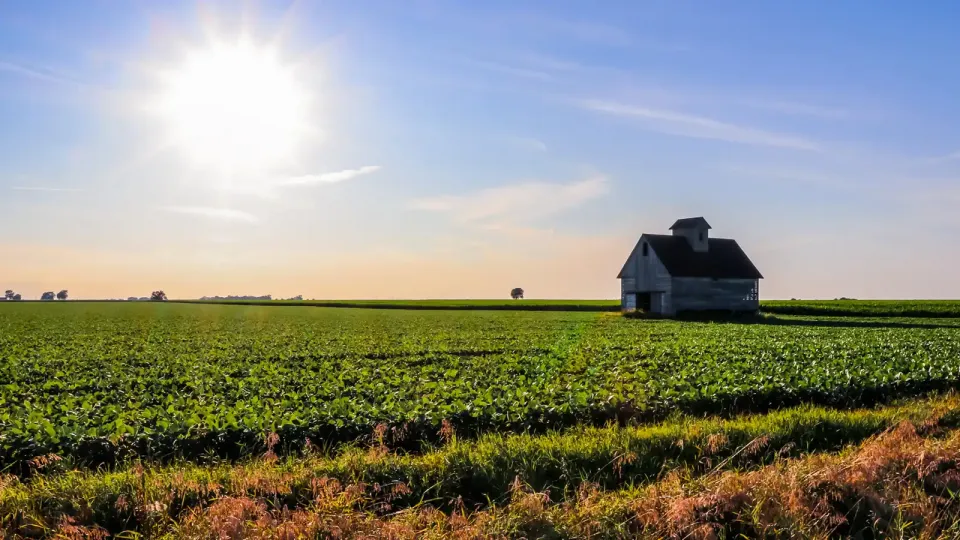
(13, 296)
(10, 295)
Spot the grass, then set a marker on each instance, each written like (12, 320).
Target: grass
(865, 308)
(165, 420)
(481, 474)
(482, 305)
(835, 308)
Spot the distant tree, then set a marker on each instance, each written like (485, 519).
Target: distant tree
(49, 295)
(17, 296)
(158, 296)
(516, 293)
(8, 294)
(62, 295)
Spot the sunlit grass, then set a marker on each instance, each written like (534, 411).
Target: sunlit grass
(458, 474)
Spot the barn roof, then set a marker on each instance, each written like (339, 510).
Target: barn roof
(723, 259)
(689, 223)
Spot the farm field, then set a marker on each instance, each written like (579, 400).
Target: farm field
(864, 308)
(854, 308)
(471, 305)
(441, 406)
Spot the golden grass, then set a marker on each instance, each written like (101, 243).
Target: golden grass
(898, 484)
(707, 479)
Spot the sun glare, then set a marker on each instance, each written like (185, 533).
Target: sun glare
(234, 107)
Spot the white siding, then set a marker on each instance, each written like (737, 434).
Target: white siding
(650, 273)
(627, 285)
(646, 274)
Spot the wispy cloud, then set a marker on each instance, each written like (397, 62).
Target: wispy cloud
(580, 30)
(38, 73)
(527, 143)
(44, 188)
(952, 156)
(586, 31)
(227, 214)
(329, 178)
(271, 188)
(700, 127)
(785, 173)
(800, 109)
(509, 69)
(517, 203)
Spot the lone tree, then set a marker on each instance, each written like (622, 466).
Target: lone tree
(158, 296)
(49, 295)
(516, 293)
(62, 295)
(8, 294)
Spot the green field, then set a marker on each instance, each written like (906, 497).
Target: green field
(174, 380)
(848, 308)
(453, 403)
(865, 308)
(470, 305)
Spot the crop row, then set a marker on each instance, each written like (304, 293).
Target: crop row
(865, 308)
(476, 474)
(106, 380)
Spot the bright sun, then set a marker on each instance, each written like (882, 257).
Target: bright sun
(234, 107)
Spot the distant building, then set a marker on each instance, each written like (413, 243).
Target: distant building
(688, 271)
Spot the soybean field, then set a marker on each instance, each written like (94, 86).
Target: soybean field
(165, 381)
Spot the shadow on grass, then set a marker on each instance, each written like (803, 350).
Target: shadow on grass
(839, 309)
(851, 323)
(772, 320)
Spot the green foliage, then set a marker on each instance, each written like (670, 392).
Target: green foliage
(470, 305)
(100, 382)
(865, 308)
(478, 472)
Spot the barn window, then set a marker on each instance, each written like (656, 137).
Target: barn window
(701, 236)
(646, 250)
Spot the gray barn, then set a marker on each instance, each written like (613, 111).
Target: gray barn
(688, 271)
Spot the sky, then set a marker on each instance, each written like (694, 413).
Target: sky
(441, 149)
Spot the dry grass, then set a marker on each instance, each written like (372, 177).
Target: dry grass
(897, 485)
(574, 484)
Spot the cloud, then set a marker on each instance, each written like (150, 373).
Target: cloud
(38, 73)
(510, 69)
(227, 214)
(329, 178)
(800, 109)
(43, 188)
(952, 156)
(785, 173)
(699, 127)
(527, 143)
(517, 203)
(269, 189)
(580, 30)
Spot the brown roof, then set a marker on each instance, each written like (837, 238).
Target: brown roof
(723, 259)
(690, 223)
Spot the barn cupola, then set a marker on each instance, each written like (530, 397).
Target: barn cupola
(695, 230)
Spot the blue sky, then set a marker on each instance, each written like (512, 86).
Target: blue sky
(455, 149)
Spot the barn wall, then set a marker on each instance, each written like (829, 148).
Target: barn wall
(627, 286)
(650, 272)
(646, 274)
(691, 294)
